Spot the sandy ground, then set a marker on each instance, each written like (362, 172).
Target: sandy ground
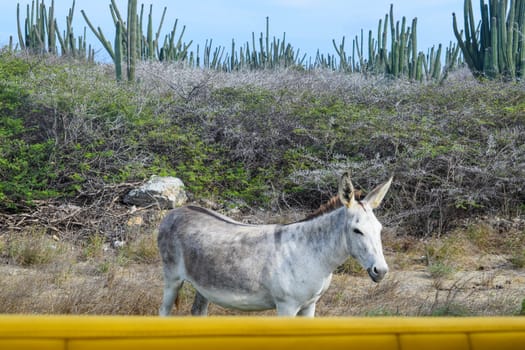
(85, 288)
(470, 282)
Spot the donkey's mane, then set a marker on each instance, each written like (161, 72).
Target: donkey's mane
(216, 215)
(332, 204)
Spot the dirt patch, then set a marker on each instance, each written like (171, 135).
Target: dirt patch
(137, 289)
(475, 270)
(105, 285)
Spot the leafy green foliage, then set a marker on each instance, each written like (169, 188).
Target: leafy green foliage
(263, 138)
(11, 68)
(24, 163)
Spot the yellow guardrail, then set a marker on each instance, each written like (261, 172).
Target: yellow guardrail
(114, 332)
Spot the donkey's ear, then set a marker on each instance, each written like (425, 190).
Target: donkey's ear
(346, 190)
(375, 197)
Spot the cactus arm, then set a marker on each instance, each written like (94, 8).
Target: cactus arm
(100, 36)
(371, 54)
(149, 37)
(157, 34)
(466, 52)
(521, 45)
(394, 44)
(51, 43)
(493, 62)
(472, 23)
(402, 46)
(509, 53)
(132, 39)
(267, 38)
(384, 56)
(340, 52)
(20, 36)
(116, 15)
(60, 40)
(436, 70)
(485, 26)
(118, 52)
(413, 41)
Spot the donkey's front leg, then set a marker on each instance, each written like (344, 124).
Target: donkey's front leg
(307, 311)
(287, 309)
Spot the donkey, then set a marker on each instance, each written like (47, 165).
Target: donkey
(259, 267)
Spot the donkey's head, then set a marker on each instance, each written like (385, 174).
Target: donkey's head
(362, 229)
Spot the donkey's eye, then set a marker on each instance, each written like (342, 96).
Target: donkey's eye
(358, 232)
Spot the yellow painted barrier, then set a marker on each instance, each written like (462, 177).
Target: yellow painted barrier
(385, 333)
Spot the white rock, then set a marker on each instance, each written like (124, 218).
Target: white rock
(164, 192)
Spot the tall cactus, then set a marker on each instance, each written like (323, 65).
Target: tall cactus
(174, 51)
(497, 48)
(264, 53)
(400, 58)
(122, 50)
(117, 59)
(132, 53)
(344, 59)
(134, 44)
(41, 32)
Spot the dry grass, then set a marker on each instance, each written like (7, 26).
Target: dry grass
(32, 247)
(469, 272)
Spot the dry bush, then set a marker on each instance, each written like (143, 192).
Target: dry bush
(453, 149)
(111, 295)
(20, 295)
(143, 250)
(31, 247)
(93, 247)
(276, 139)
(114, 292)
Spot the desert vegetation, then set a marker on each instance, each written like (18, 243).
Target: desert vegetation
(492, 47)
(262, 145)
(454, 276)
(265, 139)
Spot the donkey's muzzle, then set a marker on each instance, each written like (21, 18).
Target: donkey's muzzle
(377, 274)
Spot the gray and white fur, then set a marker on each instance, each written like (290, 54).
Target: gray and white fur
(260, 267)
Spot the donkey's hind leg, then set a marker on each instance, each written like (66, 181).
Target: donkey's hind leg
(200, 305)
(172, 284)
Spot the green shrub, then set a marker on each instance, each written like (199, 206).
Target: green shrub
(451, 310)
(93, 248)
(439, 270)
(12, 67)
(517, 258)
(269, 139)
(351, 267)
(25, 160)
